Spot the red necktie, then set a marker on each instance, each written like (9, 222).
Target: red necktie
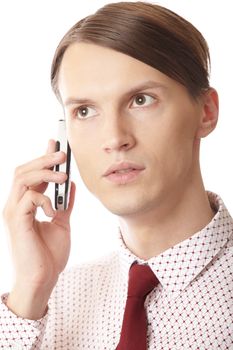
(134, 328)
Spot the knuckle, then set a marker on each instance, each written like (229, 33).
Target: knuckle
(45, 176)
(46, 173)
(30, 194)
(6, 213)
(46, 200)
(36, 197)
(43, 160)
(18, 170)
(18, 179)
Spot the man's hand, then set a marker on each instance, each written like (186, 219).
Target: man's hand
(40, 250)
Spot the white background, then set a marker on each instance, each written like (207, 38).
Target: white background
(29, 34)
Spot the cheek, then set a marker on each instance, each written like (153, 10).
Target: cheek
(86, 166)
(85, 156)
(175, 146)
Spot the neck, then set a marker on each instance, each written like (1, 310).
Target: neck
(176, 219)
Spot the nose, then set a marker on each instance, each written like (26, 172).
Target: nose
(117, 134)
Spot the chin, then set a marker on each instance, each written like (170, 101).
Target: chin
(125, 207)
(129, 200)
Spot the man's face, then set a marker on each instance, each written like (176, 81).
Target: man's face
(153, 127)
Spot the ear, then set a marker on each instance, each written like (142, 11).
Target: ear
(209, 113)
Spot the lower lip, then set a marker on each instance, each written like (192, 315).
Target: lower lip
(123, 178)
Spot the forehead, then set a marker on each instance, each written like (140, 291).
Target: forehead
(92, 69)
(86, 58)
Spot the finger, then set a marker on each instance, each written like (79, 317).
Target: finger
(62, 217)
(31, 201)
(35, 178)
(44, 162)
(51, 147)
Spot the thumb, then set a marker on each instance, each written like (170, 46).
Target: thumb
(71, 199)
(62, 217)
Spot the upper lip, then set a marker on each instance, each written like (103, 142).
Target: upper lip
(123, 165)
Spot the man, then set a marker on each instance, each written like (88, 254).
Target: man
(136, 99)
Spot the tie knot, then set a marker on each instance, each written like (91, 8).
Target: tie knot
(141, 280)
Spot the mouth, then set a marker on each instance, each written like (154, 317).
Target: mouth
(123, 172)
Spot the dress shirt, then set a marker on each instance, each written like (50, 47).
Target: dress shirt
(191, 308)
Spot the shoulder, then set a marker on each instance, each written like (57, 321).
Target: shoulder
(102, 263)
(220, 272)
(89, 273)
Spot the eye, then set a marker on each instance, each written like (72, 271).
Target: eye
(143, 100)
(84, 112)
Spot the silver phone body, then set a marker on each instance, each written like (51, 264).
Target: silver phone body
(62, 191)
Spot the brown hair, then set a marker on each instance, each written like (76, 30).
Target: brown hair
(149, 33)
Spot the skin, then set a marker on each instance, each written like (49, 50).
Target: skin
(167, 203)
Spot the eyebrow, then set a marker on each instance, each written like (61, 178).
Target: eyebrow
(143, 86)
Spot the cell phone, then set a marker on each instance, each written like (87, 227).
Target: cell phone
(62, 191)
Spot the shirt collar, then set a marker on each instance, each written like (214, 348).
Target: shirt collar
(179, 265)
